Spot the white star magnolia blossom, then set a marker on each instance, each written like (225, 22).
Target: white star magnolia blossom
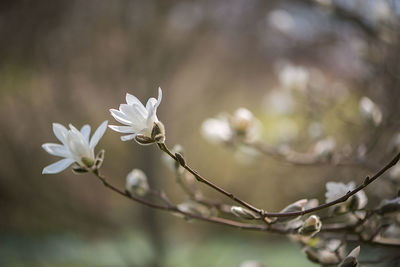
(76, 146)
(336, 190)
(217, 130)
(138, 120)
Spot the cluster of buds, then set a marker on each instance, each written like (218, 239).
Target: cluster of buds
(225, 128)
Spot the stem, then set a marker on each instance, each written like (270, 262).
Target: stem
(201, 179)
(264, 214)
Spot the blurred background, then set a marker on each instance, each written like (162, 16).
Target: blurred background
(71, 61)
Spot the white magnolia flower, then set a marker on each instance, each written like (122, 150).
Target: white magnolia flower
(217, 130)
(140, 122)
(223, 128)
(294, 77)
(324, 147)
(75, 147)
(335, 190)
(370, 111)
(136, 182)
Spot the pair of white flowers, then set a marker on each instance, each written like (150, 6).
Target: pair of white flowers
(225, 128)
(140, 123)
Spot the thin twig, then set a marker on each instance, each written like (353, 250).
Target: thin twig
(263, 214)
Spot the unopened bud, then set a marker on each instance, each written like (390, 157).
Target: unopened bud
(242, 120)
(294, 207)
(195, 208)
(351, 259)
(77, 169)
(143, 139)
(136, 183)
(158, 132)
(311, 226)
(389, 206)
(323, 256)
(180, 159)
(244, 213)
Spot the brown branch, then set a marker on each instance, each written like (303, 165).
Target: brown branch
(264, 214)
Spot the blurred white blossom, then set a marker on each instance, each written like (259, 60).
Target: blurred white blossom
(75, 147)
(335, 190)
(294, 77)
(279, 102)
(136, 183)
(324, 147)
(216, 130)
(315, 130)
(140, 122)
(370, 111)
(224, 128)
(281, 20)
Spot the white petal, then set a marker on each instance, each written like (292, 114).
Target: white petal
(56, 150)
(128, 137)
(85, 131)
(60, 132)
(135, 114)
(151, 104)
(131, 99)
(159, 97)
(120, 117)
(122, 129)
(98, 134)
(58, 166)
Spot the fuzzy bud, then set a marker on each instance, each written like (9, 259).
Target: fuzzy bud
(158, 132)
(244, 213)
(136, 183)
(351, 259)
(294, 207)
(389, 206)
(311, 226)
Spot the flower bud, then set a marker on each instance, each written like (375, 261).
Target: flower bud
(158, 132)
(170, 162)
(311, 226)
(296, 206)
(389, 206)
(325, 147)
(136, 183)
(244, 213)
(77, 169)
(322, 256)
(242, 120)
(351, 259)
(143, 139)
(195, 208)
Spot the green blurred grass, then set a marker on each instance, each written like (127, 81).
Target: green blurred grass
(133, 249)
